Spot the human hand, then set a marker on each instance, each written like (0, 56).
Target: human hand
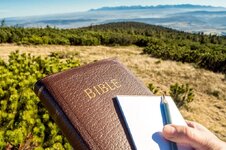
(195, 135)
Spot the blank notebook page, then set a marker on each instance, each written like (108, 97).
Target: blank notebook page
(144, 121)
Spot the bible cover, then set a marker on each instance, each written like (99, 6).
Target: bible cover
(80, 100)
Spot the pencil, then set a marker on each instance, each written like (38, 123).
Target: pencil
(167, 115)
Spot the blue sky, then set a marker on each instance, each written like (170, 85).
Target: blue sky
(14, 8)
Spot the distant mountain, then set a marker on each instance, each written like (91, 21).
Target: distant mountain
(186, 17)
(186, 6)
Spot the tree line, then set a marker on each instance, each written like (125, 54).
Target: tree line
(207, 51)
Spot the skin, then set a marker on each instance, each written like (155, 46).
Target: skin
(195, 135)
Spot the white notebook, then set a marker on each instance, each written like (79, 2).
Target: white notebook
(144, 121)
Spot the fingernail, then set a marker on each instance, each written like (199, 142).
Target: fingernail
(169, 129)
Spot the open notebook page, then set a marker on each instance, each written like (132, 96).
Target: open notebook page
(144, 121)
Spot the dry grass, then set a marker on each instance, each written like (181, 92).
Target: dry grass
(209, 106)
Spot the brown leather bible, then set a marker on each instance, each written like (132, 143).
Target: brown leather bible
(80, 100)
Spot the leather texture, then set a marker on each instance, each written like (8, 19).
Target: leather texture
(85, 95)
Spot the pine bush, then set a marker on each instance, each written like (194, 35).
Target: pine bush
(24, 122)
(182, 94)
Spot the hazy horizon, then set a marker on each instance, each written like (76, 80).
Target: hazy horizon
(23, 8)
(59, 13)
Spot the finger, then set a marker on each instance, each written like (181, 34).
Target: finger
(190, 123)
(199, 127)
(185, 135)
(196, 125)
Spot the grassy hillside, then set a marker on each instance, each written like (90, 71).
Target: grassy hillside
(145, 49)
(206, 51)
(208, 107)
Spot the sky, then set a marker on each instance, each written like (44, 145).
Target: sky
(17, 8)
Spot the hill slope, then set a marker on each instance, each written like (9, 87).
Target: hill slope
(206, 51)
(208, 107)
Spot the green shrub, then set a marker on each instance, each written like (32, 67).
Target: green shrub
(24, 122)
(181, 94)
(152, 88)
(35, 40)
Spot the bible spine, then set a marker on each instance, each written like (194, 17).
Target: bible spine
(59, 117)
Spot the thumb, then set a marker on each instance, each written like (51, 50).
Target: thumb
(187, 135)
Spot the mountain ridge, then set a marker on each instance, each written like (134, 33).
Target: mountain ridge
(152, 6)
(184, 17)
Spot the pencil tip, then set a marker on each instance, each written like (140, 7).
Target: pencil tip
(163, 99)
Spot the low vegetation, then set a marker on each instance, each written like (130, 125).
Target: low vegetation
(160, 73)
(206, 51)
(24, 122)
(181, 94)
